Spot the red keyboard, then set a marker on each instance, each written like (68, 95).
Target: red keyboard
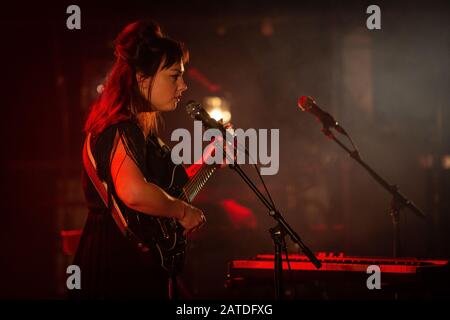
(340, 277)
(339, 263)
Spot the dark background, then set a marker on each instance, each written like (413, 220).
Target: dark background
(388, 88)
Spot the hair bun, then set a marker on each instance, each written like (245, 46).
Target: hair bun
(130, 42)
(149, 31)
(142, 46)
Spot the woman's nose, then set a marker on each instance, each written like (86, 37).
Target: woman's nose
(183, 86)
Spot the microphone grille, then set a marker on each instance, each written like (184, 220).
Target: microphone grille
(193, 108)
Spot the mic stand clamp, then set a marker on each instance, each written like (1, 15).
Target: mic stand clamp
(395, 207)
(278, 235)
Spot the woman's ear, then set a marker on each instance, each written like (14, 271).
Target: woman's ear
(143, 82)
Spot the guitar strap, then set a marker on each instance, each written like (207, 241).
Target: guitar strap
(102, 190)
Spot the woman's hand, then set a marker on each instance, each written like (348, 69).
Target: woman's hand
(193, 218)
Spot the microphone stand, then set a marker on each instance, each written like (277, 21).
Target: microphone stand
(277, 233)
(282, 228)
(398, 202)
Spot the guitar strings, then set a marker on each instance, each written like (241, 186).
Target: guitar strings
(193, 185)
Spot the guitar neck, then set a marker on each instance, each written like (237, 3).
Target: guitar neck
(199, 176)
(197, 182)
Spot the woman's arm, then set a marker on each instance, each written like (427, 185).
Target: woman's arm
(148, 198)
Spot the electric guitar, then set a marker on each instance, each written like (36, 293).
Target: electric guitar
(166, 234)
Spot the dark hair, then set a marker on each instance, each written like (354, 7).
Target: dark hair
(140, 47)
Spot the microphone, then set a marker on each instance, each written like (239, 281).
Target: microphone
(196, 111)
(309, 105)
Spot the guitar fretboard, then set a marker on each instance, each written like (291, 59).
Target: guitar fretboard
(198, 181)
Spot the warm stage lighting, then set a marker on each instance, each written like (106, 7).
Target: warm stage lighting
(446, 162)
(218, 114)
(218, 108)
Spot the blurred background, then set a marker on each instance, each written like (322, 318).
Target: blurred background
(388, 88)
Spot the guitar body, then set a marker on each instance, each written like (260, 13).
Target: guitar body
(151, 233)
(166, 234)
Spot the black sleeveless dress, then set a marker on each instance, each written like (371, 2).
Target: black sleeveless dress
(111, 266)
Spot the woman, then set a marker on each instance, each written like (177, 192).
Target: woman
(146, 79)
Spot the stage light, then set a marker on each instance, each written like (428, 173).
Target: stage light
(218, 108)
(446, 162)
(218, 114)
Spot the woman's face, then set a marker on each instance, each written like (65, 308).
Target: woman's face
(166, 87)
